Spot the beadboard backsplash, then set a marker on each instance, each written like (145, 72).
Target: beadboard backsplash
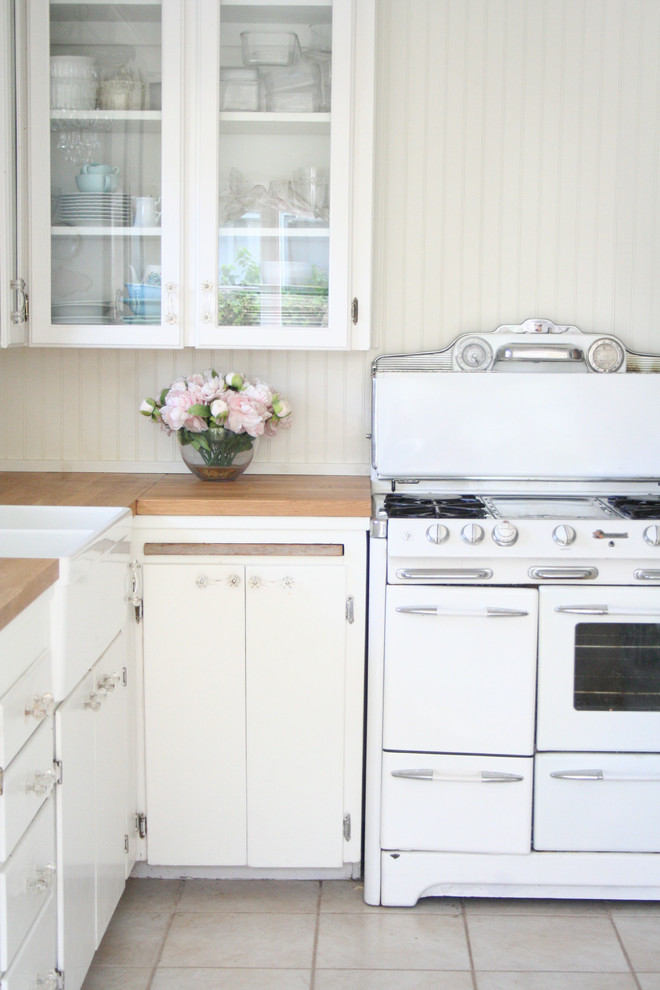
(517, 175)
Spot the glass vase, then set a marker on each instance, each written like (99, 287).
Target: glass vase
(218, 455)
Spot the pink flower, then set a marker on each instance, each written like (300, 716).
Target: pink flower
(260, 391)
(175, 413)
(245, 415)
(219, 408)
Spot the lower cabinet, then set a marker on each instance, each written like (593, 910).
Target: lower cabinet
(91, 732)
(254, 664)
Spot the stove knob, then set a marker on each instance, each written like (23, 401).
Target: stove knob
(652, 535)
(472, 533)
(437, 533)
(505, 534)
(563, 535)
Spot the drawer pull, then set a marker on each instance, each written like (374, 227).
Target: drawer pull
(479, 777)
(603, 775)
(49, 981)
(646, 574)
(40, 706)
(444, 574)
(563, 573)
(42, 881)
(95, 700)
(42, 782)
(108, 682)
(491, 612)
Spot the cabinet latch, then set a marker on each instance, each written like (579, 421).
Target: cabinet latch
(141, 824)
(135, 595)
(346, 828)
(354, 310)
(350, 609)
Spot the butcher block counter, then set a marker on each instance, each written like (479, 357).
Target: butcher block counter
(21, 581)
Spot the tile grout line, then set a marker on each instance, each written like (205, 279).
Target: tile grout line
(166, 932)
(312, 975)
(473, 975)
(624, 950)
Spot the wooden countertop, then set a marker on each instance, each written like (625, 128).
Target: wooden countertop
(21, 582)
(258, 495)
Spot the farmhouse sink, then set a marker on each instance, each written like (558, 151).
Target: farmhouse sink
(89, 605)
(52, 531)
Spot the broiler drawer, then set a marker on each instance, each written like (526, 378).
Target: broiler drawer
(597, 802)
(456, 803)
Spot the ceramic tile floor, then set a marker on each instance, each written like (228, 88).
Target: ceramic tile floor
(310, 935)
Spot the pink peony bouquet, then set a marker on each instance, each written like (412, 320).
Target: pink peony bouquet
(219, 416)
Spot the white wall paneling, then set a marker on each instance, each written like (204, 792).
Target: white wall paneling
(517, 154)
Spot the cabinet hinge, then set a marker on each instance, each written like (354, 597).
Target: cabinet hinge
(2, 777)
(124, 676)
(125, 843)
(354, 310)
(350, 609)
(22, 311)
(346, 828)
(141, 824)
(135, 596)
(58, 770)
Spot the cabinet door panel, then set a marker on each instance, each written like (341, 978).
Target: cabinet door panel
(111, 763)
(295, 619)
(194, 655)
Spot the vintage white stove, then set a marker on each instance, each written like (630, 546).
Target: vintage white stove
(513, 727)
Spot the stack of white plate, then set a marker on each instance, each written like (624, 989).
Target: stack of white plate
(95, 210)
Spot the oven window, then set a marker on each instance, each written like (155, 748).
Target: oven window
(617, 667)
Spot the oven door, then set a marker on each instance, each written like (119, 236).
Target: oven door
(460, 670)
(599, 669)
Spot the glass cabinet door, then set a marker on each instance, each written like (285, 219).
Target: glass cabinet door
(106, 111)
(274, 266)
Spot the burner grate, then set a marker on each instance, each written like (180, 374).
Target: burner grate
(434, 507)
(633, 507)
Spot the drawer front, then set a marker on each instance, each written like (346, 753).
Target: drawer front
(25, 706)
(27, 881)
(34, 967)
(24, 639)
(27, 782)
(455, 660)
(456, 803)
(597, 802)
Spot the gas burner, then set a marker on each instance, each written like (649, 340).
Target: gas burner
(633, 507)
(434, 506)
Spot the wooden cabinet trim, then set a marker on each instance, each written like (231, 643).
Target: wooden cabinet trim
(244, 549)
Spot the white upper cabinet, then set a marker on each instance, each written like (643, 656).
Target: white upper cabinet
(201, 173)
(275, 184)
(106, 119)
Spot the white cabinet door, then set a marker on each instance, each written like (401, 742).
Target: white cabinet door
(296, 662)
(75, 726)
(194, 657)
(110, 774)
(106, 141)
(281, 184)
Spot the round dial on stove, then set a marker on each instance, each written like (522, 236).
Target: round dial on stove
(474, 354)
(605, 355)
(563, 535)
(472, 533)
(505, 533)
(437, 533)
(652, 535)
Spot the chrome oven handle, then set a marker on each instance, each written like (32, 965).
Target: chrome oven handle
(604, 775)
(479, 777)
(563, 573)
(445, 574)
(491, 612)
(604, 610)
(644, 574)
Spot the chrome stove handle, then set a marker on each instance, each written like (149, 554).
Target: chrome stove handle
(539, 352)
(563, 573)
(644, 574)
(604, 610)
(605, 776)
(445, 574)
(479, 777)
(491, 612)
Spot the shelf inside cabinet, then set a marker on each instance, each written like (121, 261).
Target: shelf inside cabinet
(276, 12)
(106, 231)
(274, 231)
(257, 122)
(147, 119)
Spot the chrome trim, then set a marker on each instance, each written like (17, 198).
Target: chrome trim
(577, 774)
(563, 573)
(490, 612)
(478, 777)
(605, 610)
(604, 775)
(447, 574)
(647, 574)
(539, 352)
